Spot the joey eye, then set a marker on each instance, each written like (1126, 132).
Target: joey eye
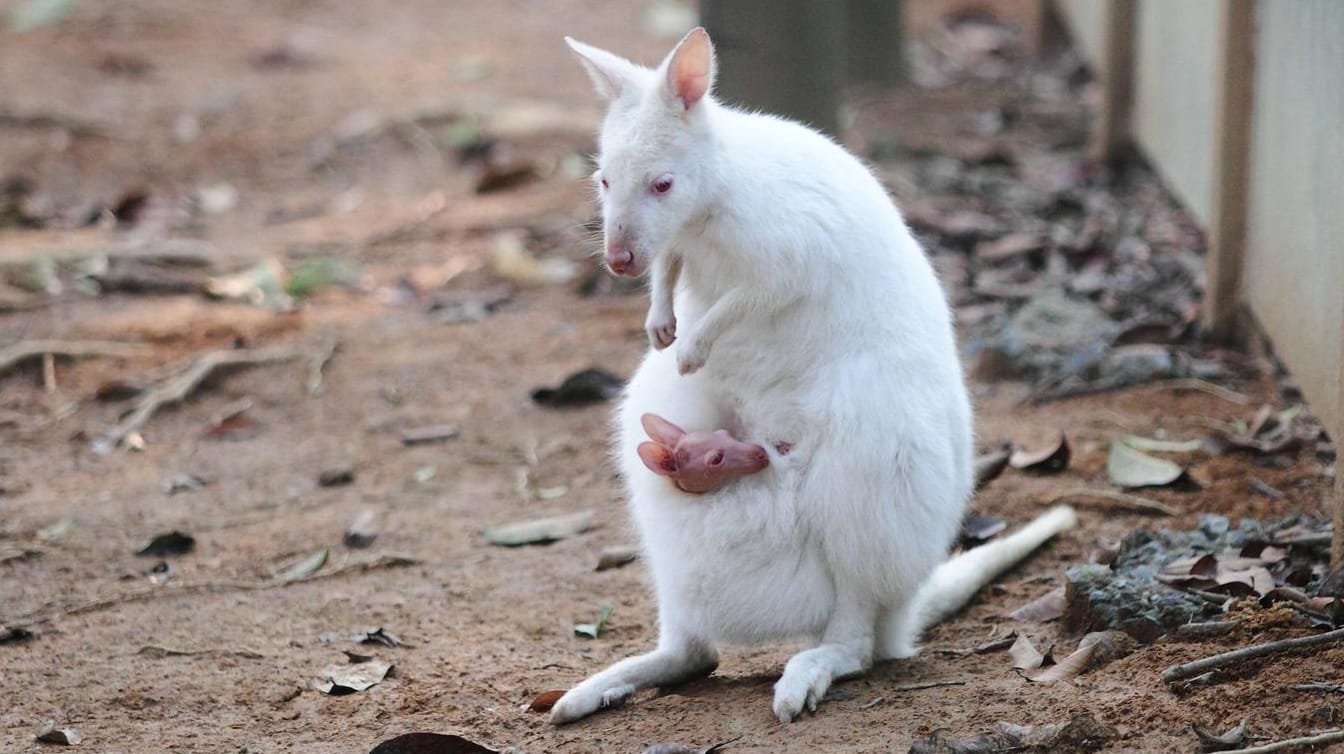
(662, 184)
(605, 185)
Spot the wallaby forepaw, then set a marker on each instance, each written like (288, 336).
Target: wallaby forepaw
(582, 701)
(662, 331)
(691, 356)
(799, 688)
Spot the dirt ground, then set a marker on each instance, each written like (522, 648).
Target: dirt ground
(279, 100)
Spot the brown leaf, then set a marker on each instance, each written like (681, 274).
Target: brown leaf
(615, 557)
(545, 700)
(1050, 458)
(236, 427)
(1067, 668)
(1043, 609)
(430, 743)
(989, 466)
(1025, 655)
(1009, 246)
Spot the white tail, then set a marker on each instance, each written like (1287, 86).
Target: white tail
(957, 580)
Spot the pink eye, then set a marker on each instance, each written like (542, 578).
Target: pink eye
(662, 185)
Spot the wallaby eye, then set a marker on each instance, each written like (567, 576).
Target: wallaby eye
(601, 179)
(662, 184)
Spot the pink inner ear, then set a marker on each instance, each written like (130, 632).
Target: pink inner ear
(657, 458)
(661, 430)
(692, 68)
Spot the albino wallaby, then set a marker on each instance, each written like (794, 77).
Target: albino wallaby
(808, 319)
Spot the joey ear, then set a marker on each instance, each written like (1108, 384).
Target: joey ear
(612, 75)
(661, 430)
(689, 69)
(657, 458)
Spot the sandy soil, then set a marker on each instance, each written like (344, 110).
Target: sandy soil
(485, 628)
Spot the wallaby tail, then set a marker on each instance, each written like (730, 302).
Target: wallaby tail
(954, 582)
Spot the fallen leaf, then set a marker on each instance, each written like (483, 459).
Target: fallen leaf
(581, 389)
(1162, 446)
(468, 306)
(237, 427)
(1067, 668)
(504, 174)
(14, 634)
(306, 567)
(261, 285)
(1043, 609)
(1009, 246)
(1129, 467)
(430, 434)
(976, 528)
(1024, 654)
(317, 273)
(541, 531)
(183, 483)
(1048, 459)
(336, 475)
(376, 636)
(170, 543)
(593, 630)
(50, 734)
(340, 680)
(990, 465)
(363, 530)
(1232, 738)
(512, 261)
(615, 557)
(545, 700)
(56, 530)
(430, 743)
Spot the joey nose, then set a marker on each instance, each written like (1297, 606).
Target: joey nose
(620, 260)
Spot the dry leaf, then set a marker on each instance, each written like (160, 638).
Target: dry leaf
(363, 530)
(542, 531)
(170, 543)
(545, 700)
(1130, 467)
(615, 557)
(1025, 655)
(306, 567)
(430, 743)
(430, 434)
(976, 528)
(50, 734)
(989, 466)
(1162, 446)
(339, 680)
(1048, 459)
(1043, 609)
(1233, 738)
(512, 261)
(580, 389)
(1067, 668)
(593, 630)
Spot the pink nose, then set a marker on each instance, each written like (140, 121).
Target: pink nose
(621, 261)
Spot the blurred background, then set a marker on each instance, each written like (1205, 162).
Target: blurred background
(301, 335)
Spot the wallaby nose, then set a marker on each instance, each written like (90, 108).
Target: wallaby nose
(620, 260)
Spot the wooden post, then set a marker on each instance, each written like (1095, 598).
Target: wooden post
(785, 57)
(1111, 133)
(1233, 97)
(876, 43)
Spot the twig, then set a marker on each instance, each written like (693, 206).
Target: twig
(1090, 496)
(154, 592)
(49, 373)
(1328, 737)
(1203, 386)
(319, 363)
(926, 685)
(157, 652)
(1333, 688)
(1190, 669)
(41, 121)
(17, 353)
(1206, 630)
(177, 387)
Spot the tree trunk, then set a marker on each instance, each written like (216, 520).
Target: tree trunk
(876, 42)
(785, 57)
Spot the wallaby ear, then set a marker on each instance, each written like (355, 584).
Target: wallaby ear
(661, 430)
(690, 68)
(657, 458)
(612, 74)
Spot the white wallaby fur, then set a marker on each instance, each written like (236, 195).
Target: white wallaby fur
(807, 314)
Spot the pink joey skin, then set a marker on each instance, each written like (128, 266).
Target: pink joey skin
(697, 462)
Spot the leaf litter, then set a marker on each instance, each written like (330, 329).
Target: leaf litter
(541, 531)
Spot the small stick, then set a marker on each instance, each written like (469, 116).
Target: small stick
(1328, 737)
(926, 685)
(17, 353)
(1203, 386)
(153, 592)
(1206, 630)
(1090, 496)
(177, 387)
(319, 363)
(1333, 688)
(1190, 669)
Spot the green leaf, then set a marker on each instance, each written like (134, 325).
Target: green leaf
(592, 630)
